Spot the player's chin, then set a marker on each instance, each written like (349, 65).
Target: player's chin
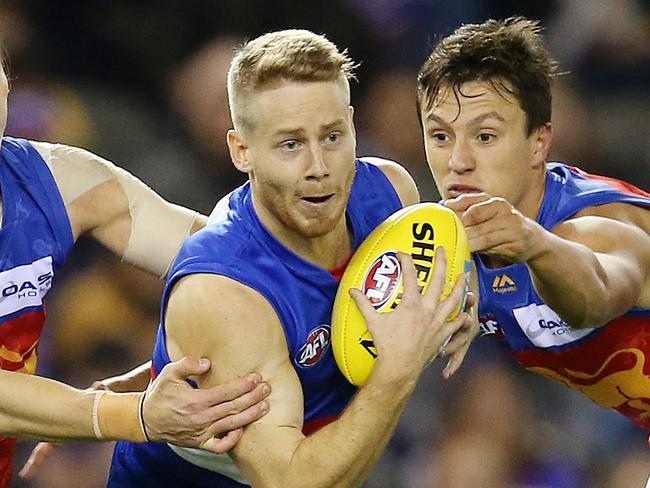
(317, 227)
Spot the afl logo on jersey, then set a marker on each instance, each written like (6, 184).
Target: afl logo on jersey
(382, 279)
(317, 344)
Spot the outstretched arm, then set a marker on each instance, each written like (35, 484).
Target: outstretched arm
(172, 411)
(589, 269)
(117, 209)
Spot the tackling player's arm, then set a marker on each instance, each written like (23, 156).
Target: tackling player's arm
(71, 414)
(241, 331)
(119, 210)
(590, 269)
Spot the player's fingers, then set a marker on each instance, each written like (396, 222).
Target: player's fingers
(363, 303)
(461, 338)
(437, 285)
(457, 341)
(455, 361)
(233, 407)
(450, 327)
(36, 458)
(470, 300)
(409, 275)
(186, 367)
(235, 389)
(223, 444)
(455, 298)
(463, 202)
(236, 421)
(482, 211)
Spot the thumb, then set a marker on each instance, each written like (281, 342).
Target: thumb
(189, 366)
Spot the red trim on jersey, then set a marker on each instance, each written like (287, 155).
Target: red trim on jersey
(337, 272)
(18, 339)
(7, 447)
(623, 186)
(313, 425)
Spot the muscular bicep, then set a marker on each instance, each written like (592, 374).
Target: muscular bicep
(623, 254)
(240, 333)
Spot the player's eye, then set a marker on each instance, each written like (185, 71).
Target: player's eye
(440, 137)
(333, 137)
(486, 137)
(291, 145)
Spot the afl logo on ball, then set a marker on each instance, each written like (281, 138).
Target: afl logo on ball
(382, 279)
(317, 344)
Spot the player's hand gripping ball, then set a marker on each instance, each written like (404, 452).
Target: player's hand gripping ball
(375, 270)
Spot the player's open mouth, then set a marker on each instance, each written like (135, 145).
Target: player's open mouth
(316, 200)
(457, 190)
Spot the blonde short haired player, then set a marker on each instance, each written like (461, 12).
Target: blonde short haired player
(258, 283)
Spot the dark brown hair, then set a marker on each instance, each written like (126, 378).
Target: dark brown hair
(509, 54)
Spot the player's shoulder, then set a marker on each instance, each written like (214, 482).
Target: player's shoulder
(224, 244)
(399, 177)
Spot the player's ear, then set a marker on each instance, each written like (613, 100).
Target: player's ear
(238, 151)
(354, 130)
(542, 137)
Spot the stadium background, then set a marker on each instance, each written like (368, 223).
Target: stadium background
(143, 84)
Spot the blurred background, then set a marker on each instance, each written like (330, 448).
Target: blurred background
(143, 84)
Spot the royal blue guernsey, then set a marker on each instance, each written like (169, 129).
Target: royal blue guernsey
(610, 364)
(237, 245)
(35, 238)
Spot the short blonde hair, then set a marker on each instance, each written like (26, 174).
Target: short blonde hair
(292, 55)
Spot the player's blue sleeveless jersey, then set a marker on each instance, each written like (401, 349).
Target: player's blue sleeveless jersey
(610, 364)
(35, 238)
(302, 294)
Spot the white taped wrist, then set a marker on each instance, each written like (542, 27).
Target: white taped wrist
(98, 432)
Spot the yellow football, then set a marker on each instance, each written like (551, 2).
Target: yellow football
(375, 270)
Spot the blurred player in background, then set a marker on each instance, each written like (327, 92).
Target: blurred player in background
(257, 285)
(562, 256)
(50, 195)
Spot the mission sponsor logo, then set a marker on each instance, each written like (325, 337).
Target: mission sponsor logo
(25, 286)
(503, 284)
(315, 347)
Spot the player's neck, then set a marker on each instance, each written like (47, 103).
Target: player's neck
(327, 251)
(532, 199)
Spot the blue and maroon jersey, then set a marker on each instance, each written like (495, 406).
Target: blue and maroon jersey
(237, 245)
(35, 238)
(611, 363)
